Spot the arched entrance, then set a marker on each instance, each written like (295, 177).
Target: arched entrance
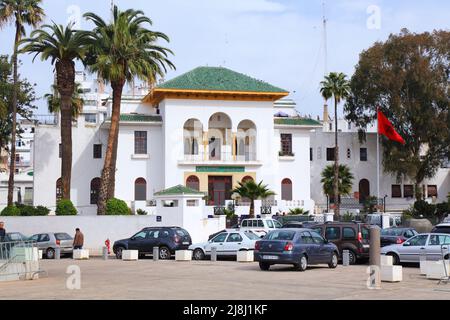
(364, 190)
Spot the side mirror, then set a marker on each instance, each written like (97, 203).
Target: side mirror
(406, 244)
(326, 241)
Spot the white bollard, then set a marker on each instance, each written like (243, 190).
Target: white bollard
(130, 255)
(386, 260)
(213, 254)
(155, 253)
(80, 254)
(245, 256)
(390, 273)
(346, 258)
(183, 255)
(436, 269)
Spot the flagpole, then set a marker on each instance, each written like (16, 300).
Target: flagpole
(378, 161)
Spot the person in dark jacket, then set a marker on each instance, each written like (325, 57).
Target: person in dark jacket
(2, 231)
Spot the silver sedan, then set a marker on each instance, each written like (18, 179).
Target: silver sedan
(430, 245)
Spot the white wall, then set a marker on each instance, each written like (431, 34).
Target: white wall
(97, 229)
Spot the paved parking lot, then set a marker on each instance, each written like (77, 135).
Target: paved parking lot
(146, 279)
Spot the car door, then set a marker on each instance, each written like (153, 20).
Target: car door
(436, 243)
(232, 244)
(311, 248)
(44, 242)
(137, 241)
(411, 250)
(332, 233)
(323, 250)
(218, 242)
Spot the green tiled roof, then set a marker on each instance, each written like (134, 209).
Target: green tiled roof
(178, 190)
(296, 122)
(218, 79)
(127, 117)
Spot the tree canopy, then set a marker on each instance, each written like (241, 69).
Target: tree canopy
(407, 77)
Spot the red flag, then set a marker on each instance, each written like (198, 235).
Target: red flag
(385, 128)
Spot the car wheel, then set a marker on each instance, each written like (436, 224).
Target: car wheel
(198, 254)
(264, 266)
(395, 258)
(50, 253)
(164, 253)
(351, 257)
(334, 261)
(118, 252)
(303, 264)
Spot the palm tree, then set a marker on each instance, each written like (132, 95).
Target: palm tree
(345, 181)
(62, 45)
(335, 85)
(121, 51)
(21, 13)
(54, 101)
(253, 191)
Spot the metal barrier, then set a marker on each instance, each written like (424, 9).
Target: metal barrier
(19, 260)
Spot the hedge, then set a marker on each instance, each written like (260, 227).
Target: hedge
(117, 207)
(65, 207)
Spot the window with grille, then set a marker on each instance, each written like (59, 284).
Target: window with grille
(95, 189)
(193, 182)
(286, 144)
(396, 191)
(140, 189)
(408, 191)
(432, 191)
(140, 142)
(97, 151)
(286, 189)
(330, 154)
(363, 154)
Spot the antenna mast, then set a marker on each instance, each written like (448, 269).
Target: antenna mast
(324, 19)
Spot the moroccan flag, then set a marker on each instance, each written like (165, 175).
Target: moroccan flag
(385, 128)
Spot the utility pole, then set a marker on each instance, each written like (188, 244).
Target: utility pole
(325, 56)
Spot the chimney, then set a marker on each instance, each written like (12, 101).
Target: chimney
(325, 112)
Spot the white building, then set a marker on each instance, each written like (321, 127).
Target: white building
(207, 129)
(361, 158)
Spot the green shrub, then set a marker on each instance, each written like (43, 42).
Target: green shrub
(423, 208)
(117, 207)
(65, 207)
(11, 211)
(298, 211)
(26, 211)
(41, 211)
(141, 212)
(347, 217)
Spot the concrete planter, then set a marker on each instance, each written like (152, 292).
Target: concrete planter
(436, 271)
(130, 255)
(183, 255)
(390, 273)
(245, 256)
(424, 266)
(386, 260)
(81, 254)
(40, 254)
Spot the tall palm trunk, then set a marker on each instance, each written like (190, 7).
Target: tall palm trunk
(65, 82)
(252, 208)
(336, 165)
(12, 165)
(109, 168)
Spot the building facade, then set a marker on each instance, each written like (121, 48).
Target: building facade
(207, 129)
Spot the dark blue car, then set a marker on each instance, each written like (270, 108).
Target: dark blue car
(299, 247)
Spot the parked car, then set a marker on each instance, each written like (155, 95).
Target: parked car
(351, 236)
(260, 226)
(428, 244)
(48, 242)
(447, 219)
(299, 247)
(441, 228)
(296, 224)
(168, 239)
(396, 235)
(15, 236)
(227, 243)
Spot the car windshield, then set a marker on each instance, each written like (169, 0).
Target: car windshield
(251, 236)
(392, 232)
(280, 235)
(62, 236)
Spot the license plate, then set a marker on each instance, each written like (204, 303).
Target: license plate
(185, 242)
(270, 257)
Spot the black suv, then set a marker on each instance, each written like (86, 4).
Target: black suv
(351, 236)
(168, 239)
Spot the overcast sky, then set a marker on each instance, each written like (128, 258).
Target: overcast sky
(278, 41)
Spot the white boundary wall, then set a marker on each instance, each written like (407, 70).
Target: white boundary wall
(97, 229)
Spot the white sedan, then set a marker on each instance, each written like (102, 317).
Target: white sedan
(429, 245)
(227, 243)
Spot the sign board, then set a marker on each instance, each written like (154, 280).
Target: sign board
(219, 169)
